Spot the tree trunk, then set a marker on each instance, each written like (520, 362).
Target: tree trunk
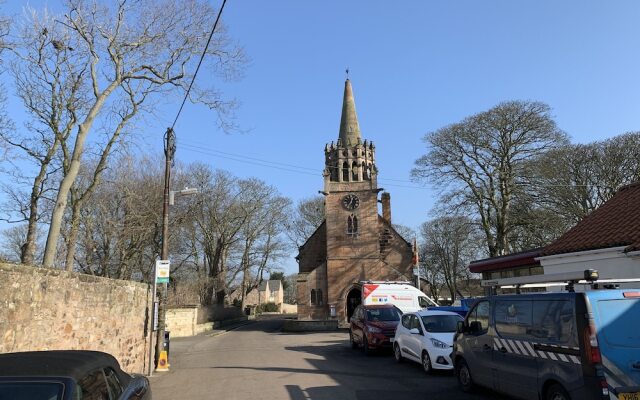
(51, 248)
(73, 235)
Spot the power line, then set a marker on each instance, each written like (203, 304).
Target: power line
(206, 47)
(276, 165)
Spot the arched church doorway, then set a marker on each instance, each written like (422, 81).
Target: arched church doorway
(354, 298)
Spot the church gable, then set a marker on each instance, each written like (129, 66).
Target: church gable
(391, 240)
(314, 251)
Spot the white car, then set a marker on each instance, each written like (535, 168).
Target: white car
(426, 337)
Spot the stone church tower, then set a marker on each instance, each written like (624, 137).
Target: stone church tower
(354, 243)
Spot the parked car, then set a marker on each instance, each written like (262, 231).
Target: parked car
(462, 309)
(373, 326)
(426, 337)
(68, 375)
(554, 346)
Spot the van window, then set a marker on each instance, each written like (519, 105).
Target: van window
(619, 322)
(554, 322)
(513, 317)
(480, 314)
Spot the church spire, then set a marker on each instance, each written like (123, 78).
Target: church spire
(349, 128)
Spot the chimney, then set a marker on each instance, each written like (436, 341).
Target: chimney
(386, 206)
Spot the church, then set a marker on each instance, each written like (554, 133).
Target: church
(354, 242)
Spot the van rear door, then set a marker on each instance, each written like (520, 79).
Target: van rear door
(616, 314)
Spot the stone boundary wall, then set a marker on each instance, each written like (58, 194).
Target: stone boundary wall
(293, 325)
(51, 309)
(193, 320)
(289, 308)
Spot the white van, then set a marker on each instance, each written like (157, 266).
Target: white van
(401, 294)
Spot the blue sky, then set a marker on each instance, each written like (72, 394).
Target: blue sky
(415, 66)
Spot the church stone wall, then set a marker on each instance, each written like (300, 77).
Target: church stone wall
(314, 251)
(316, 279)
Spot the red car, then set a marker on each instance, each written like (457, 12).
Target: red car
(373, 326)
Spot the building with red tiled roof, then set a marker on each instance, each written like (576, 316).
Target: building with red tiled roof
(608, 240)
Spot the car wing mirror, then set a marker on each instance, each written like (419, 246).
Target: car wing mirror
(414, 331)
(137, 388)
(461, 327)
(475, 327)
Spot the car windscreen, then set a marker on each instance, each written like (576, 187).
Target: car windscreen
(619, 322)
(383, 314)
(440, 323)
(31, 390)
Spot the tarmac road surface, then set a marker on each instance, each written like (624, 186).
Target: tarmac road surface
(257, 361)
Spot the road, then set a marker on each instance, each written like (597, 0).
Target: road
(257, 361)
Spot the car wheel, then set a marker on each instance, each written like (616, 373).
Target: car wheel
(426, 362)
(397, 353)
(365, 346)
(557, 392)
(464, 376)
(354, 345)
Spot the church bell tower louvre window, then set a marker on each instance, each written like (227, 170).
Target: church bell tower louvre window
(352, 226)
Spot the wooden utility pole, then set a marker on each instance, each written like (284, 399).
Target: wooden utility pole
(169, 152)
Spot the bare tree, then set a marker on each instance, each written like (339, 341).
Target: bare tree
(132, 47)
(307, 217)
(450, 243)
(575, 179)
(480, 162)
(50, 84)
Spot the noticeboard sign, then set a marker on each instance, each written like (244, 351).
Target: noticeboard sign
(162, 271)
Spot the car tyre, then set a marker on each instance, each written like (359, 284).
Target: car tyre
(354, 345)
(426, 362)
(464, 376)
(557, 392)
(365, 346)
(397, 353)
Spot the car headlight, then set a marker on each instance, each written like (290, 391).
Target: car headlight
(373, 329)
(437, 343)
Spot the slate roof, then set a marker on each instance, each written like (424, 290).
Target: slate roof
(274, 285)
(615, 223)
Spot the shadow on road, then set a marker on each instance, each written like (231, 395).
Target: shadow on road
(360, 377)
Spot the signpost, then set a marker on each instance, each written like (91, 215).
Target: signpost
(163, 268)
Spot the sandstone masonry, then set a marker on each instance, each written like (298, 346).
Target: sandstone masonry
(50, 309)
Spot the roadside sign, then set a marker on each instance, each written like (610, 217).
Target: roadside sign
(162, 271)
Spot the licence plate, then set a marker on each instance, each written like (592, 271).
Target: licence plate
(393, 339)
(629, 396)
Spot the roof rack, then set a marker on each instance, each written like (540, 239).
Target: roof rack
(588, 276)
(391, 282)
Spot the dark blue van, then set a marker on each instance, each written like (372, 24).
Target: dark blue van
(555, 346)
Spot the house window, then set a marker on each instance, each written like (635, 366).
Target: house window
(316, 297)
(345, 172)
(352, 225)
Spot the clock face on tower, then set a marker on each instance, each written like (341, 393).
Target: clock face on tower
(350, 201)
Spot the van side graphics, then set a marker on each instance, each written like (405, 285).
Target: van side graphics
(529, 349)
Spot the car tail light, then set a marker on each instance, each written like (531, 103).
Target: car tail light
(631, 294)
(591, 345)
(605, 387)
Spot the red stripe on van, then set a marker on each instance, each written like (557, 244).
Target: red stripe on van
(368, 289)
